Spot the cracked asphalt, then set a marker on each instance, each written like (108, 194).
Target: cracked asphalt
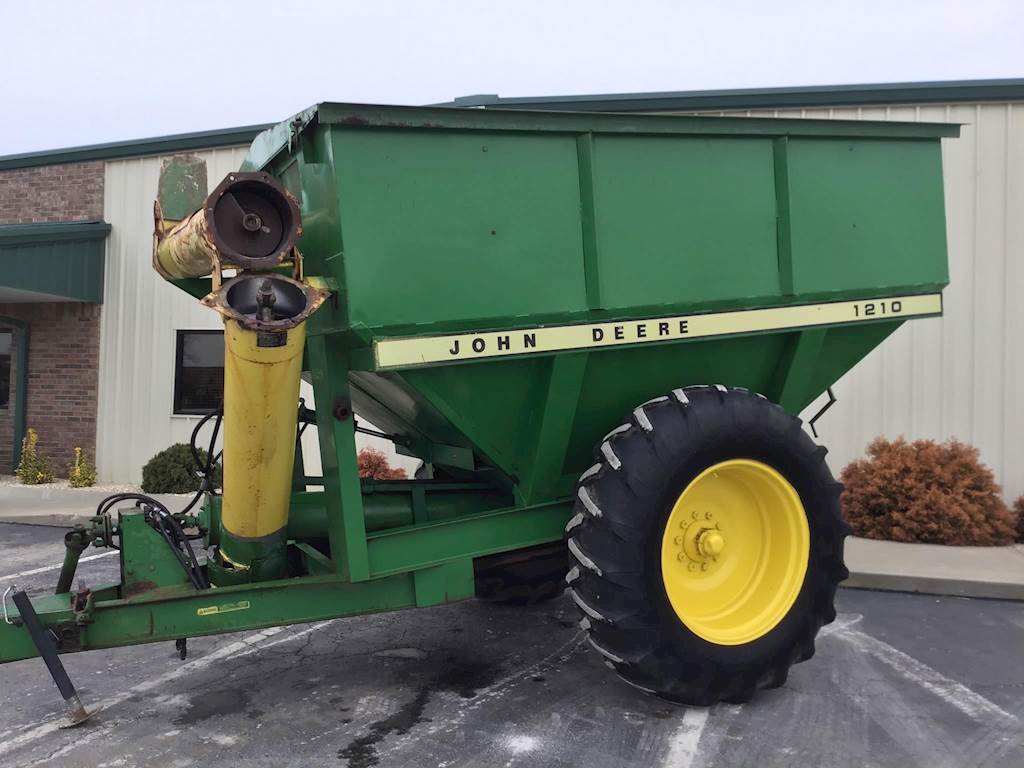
(898, 680)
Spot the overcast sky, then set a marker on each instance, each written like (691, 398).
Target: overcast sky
(84, 72)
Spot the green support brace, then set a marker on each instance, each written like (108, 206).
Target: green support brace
(559, 411)
(336, 429)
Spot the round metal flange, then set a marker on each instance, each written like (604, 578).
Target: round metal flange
(252, 220)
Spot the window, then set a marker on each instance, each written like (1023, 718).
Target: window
(199, 371)
(6, 339)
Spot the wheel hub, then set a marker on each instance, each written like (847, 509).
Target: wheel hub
(701, 542)
(734, 551)
(710, 543)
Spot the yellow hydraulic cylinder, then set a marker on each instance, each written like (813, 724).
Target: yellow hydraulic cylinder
(261, 390)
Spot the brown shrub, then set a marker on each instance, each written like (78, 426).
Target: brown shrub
(928, 492)
(373, 465)
(1018, 508)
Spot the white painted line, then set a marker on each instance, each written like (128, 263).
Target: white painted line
(302, 633)
(958, 695)
(682, 748)
(843, 621)
(45, 568)
(241, 647)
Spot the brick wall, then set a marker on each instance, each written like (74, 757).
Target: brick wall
(64, 337)
(69, 192)
(63, 373)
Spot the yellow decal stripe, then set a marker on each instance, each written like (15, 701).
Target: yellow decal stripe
(212, 610)
(428, 350)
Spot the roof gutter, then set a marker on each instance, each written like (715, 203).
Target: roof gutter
(938, 92)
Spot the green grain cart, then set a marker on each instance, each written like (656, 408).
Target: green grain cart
(595, 330)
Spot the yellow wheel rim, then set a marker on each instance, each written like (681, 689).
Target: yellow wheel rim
(734, 552)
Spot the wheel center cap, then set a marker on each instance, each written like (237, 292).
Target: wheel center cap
(710, 542)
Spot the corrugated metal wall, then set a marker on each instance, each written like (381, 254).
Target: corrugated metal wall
(961, 375)
(141, 315)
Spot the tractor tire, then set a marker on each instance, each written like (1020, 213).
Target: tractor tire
(524, 576)
(706, 545)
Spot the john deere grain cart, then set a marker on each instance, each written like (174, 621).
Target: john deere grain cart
(592, 329)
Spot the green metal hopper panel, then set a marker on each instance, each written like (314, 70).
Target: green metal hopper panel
(510, 284)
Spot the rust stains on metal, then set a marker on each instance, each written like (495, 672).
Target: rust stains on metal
(133, 588)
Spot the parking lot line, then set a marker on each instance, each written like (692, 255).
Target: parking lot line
(45, 568)
(968, 701)
(682, 748)
(231, 649)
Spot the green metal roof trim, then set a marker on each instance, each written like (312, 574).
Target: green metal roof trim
(64, 259)
(160, 145)
(766, 98)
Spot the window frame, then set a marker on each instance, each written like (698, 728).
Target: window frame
(5, 392)
(179, 367)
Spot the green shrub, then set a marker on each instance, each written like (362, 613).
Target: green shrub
(83, 472)
(173, 471)
(34, 467)
(373, 464)
(927, 492)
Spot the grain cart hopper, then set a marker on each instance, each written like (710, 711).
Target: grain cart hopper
(595, 329)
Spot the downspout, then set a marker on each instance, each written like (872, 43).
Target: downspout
(21, 388)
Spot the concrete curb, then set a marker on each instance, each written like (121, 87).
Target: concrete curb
(64, 507)
(990, 572)
(58, 519)
(931, 585)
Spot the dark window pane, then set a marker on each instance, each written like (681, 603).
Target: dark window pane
(199, 371)
(6, 338)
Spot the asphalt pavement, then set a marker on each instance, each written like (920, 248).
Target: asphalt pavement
(898, 680)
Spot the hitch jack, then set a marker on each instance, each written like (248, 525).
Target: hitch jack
(44, 642)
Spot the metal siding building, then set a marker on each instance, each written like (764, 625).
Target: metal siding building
(141, 316)
(957, 376)
(140, 320)
(961, 375)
